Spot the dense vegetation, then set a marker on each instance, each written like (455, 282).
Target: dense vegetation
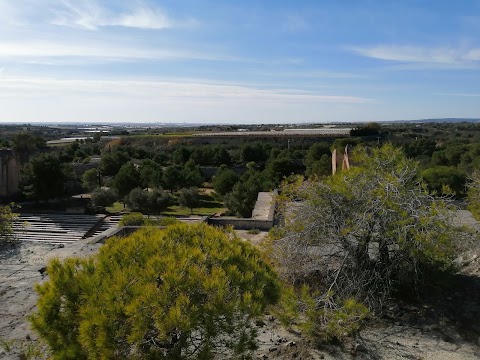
(236, 168)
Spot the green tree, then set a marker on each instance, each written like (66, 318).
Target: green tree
(43, 177)
(187, 292)
(279, 168)
(127, 179)
(148, 201)
(224, 180)
(257, 152)
(112, 161)
(172, 178)
(26, 144)
(444, 179)
(221, 156)
(420, 147)
(181, 155)
(189, 197)
(241, 200)
(150, 173)
(322, 167)
(191, 175)
(315, 153)
(91, 179)
(367, 232)
(104, 197)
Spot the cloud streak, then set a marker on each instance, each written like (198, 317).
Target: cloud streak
(59, 51)
(159, 91)
(90, 15)
(459, 94)
(435, 56)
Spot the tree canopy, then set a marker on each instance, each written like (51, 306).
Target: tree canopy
(224, 180)
(189, 197)
(43, 177)
(102, 197)
(91, 179)
(127, 179)
(148, 201)
(187, 292)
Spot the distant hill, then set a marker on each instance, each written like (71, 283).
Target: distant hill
(442, 120)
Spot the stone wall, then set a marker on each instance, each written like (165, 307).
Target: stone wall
(263, 215)
(241, 223)
(9, 173)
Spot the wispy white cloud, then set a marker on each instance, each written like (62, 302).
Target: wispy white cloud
(63, 51)
(160, 91)
(29, 99)
(435, 56)
(459, 94)
(90, 15)
(316, 74)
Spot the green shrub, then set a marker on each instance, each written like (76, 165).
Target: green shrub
(132, 219)
(185, 292)
(7, 219)
(320, 317)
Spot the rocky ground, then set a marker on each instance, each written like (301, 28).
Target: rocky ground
(22, 265)
(444, 325)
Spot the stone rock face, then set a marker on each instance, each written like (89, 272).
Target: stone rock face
(9, 173)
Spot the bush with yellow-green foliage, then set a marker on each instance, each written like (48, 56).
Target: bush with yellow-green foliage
(185, 292)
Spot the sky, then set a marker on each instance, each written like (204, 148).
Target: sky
(238, 61)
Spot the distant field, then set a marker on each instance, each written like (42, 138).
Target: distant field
(166, 135)
(327, 132)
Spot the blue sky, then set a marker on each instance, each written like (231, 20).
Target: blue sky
(205, 61)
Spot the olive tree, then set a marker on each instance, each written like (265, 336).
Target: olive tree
(189, 197)
(366, 232)
(185, 292)
(149, 201)
(103, 197)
